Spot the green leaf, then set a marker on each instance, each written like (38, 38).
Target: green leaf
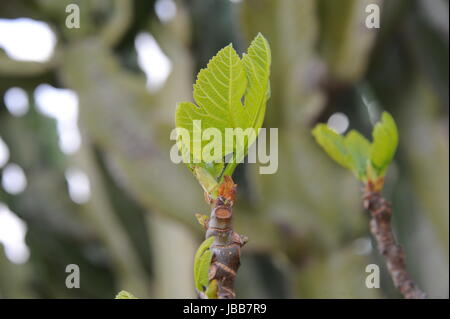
(202, 261)
(385, 141)
(215, 169)
(202, 219)
(211, 291)
(359, 149)
(125, 295)
(366, 160)
(206, 180)
(257, 66)
(218, 93)
(333, 144)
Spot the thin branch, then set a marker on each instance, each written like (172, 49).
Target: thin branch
(380, 226)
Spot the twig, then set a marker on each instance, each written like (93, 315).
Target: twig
(380, 226)
(227, 244)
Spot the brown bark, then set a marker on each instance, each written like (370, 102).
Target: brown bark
(380, 226)
(227, 244)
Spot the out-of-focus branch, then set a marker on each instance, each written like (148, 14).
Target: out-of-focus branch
(10, 67)
(100, 215)
(116, 27)
(172, 245)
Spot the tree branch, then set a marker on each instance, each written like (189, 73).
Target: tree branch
(11, 67)
(117, 26)
(380, 226)
(227, 244)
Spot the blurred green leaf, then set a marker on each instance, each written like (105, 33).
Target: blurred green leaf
(355, 152)
(125, 295)
(333, 144)
(359, 149)
(385, 141)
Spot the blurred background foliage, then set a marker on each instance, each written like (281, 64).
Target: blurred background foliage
(84, 146)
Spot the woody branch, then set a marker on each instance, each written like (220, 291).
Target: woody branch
(227, 244)
(380, 226)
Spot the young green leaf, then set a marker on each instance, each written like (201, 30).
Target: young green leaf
(125, 295)
(359, 149)
(218, 93)
(366, 160)
(211, 291)
(206, 180)
(385, 141)
(257, 66)
(202, 219)
(202, 261)
(333, 144)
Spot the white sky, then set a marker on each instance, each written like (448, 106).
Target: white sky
(16, 101)
(152, 60)
(26, 39)
(4, 153)
(79, 186)
(14, 180)
(338, 122)
(12, 235)
(165, 10)
(62, 105)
